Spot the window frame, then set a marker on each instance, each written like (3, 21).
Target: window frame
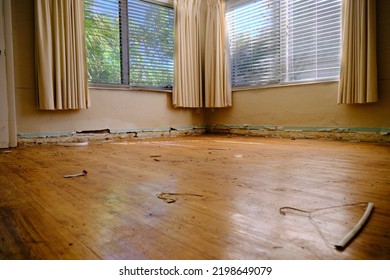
(125, 53)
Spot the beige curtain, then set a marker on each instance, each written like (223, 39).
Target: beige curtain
(61, 67)
(358, 77)
(187, 88)
(217, 77)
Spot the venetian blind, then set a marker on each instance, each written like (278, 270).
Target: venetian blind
(254, 42)
(311, 47)
(130, 43)
(102, 36)
(151, 44)
(283, 41)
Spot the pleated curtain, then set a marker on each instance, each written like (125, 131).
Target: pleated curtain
(187, 89)
(358, 75)
(218, 92)
(61, 66)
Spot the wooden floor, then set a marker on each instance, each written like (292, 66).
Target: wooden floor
(229, 191)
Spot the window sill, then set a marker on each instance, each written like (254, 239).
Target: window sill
(126, 88)
(247, 88)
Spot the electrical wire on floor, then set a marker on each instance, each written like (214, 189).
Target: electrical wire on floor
(349, 236)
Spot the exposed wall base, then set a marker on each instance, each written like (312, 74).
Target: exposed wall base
(380, 135)
(342, 134)
(106, 135)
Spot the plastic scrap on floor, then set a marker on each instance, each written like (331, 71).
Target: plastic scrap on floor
(76, 175)
(74, 144)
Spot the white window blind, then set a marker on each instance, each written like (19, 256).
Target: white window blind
(254, 42)
(151, 44)
(130, 43)
(284, 41)
(311, 48)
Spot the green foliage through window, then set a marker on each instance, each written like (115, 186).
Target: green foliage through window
(129, 43)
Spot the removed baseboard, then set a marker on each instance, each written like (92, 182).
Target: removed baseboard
(380, 135)
(329, 133)
(106, 135)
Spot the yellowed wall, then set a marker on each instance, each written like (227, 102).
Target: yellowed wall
(313, 105)
(115, 110)
(298, 106)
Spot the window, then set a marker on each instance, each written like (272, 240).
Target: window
(129, 43)
(283, 41)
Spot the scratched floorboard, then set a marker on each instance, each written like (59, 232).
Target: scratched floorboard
(228, 194)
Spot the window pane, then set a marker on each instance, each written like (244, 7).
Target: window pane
(150, 44)
(311, 49)
(279, 41)
(254, 42)
(103, 41)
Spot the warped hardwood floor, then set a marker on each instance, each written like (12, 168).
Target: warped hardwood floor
(227, 193)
